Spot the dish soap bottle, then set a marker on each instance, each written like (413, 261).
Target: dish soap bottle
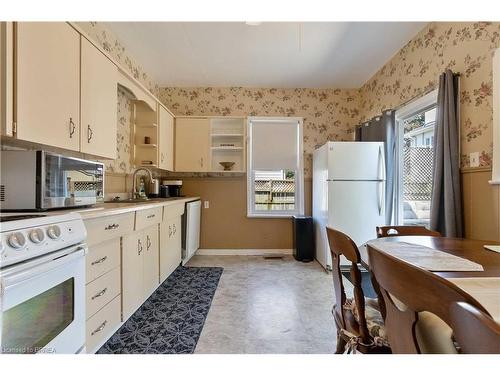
(142, 189)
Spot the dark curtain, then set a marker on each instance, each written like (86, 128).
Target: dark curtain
(446, 204)
(383, 129)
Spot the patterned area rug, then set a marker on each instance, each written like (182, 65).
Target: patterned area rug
(171, 320)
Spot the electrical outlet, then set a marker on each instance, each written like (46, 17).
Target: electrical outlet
(206, 204)
(474, 159)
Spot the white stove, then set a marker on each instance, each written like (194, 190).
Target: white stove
(42, 283)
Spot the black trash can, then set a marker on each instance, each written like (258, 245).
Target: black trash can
(303, 238)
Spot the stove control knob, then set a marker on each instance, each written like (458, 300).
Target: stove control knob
(37, 235)
(54, 232)
(16, 240)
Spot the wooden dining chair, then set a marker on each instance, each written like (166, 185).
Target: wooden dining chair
(476, 332)
(358, 320)
(418, 306)
(405, 230)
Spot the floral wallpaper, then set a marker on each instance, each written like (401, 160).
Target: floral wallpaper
(110, 43)
(329, 114)
(466, 48)
(122, 163)
(332, 114)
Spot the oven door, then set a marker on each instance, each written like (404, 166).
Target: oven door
(43, 304)
(70, 182)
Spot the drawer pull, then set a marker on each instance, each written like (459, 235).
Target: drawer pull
(150, 216)
(100, 294)
(100, 328)
(99, 260)
(111, 226)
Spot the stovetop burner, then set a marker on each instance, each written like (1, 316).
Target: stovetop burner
(18, 217)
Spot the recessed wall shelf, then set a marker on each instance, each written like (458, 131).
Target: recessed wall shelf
(227, 143)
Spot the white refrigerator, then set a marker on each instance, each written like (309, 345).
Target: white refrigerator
(348, 193)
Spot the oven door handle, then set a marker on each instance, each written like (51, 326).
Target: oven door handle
(25, 271)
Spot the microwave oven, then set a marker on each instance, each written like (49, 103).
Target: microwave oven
(41, 180)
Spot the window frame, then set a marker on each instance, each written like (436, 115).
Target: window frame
(299, 178)
(415, 106)
(495, 168)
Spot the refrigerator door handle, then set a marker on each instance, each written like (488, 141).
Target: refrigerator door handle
(380, 192)
(381, 163)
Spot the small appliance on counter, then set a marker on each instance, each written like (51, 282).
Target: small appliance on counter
(41, 180)
(170, 188)
(154, 188)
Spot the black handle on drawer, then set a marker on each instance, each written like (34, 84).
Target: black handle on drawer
(111, 226)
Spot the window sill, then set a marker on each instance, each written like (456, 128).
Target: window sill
(275, 216)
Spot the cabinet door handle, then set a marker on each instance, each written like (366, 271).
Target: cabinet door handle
(175, 229)
(100, 328)
(72, 127)
(201, 162)
(162, 157)
(169, 231)
(139, 247)
(99, 260)
(148, 242)
(100, 294)
(90, 133)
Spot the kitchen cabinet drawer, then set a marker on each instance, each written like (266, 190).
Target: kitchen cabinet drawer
(148, 217)
(102, 290)
(173, 211)
(108, 227)
(102, 325)
(102, 257)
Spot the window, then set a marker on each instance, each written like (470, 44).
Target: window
(415, 133)
(275, 175)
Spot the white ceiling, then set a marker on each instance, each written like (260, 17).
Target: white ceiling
(272, 54)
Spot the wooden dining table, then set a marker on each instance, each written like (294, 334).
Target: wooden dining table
(484, 285)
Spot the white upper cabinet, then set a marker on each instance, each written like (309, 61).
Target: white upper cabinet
(192, 145)
(48, 84)
(98, 102)
(166, 139)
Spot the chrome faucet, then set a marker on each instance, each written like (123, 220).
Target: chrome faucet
(135, 194)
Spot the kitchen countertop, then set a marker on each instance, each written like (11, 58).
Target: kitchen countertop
(111, 208)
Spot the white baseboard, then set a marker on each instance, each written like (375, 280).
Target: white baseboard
(244, 251)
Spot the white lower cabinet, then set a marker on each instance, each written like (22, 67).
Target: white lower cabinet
(129, 256)
(150, 265)
(140, 269)
(170, 246)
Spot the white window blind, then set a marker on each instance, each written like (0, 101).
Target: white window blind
(275, 144)
(275, 167)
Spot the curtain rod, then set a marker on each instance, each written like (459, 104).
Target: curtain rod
(406, 102)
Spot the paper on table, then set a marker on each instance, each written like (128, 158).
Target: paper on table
(426, 257)
(486, 290)
(494, 248)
